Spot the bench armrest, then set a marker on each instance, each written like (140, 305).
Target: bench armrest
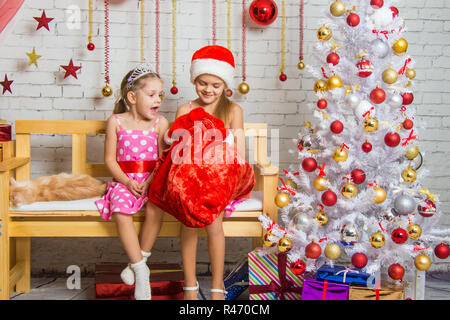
(267, 169)
(13, 163)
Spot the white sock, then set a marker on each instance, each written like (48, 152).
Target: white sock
(142, 290)
(127, 274)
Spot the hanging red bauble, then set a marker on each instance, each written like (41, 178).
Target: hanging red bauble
(428, 210)
(377, 95)
(309, 164)
(399, 236)
(396, 271)
(322, 104)
(394, 11)
(366, 147)
(376, 4)
(408, 98)
(359, 260)
(329, 198)
(408, 124)
(392, 139)
(336, 127)
(358, 176)
(365, 68)
(353, 19)
(313, 250)
(442, 251)
(174, 90)
(283, 77)
(298, 267)
(263, 12)
(229, 92)
(90, 46)
(333, 58)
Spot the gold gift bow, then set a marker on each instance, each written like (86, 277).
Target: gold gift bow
(425, 191)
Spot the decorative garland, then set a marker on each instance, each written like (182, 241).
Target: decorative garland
(229, 24)
(214, 35)
(174, 89)
(243, 88)
(141, 2)
(283, 76)
(301, 64)
(90, 46)
(107, 90)
(157, 35)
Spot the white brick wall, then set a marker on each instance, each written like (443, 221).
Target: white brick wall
(42, 93)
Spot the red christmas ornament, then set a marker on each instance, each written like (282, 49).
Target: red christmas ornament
(263, 12)
(322, 104)
(229, 92)
(174, 90)
(399, 236)
(408, 124)
(353, 19)
(358, 176)
(43, 21)
(442, 251)
(396, 271)
(333, 58)
(309, 164)
(313, 250)
(376, 4)
(359, 260)
(394, 11)
(408, 98)
(428, 210)
(329, 198)
(366, 147)
(298, 267)
(365, 68)
(71, 70)
(377, 95)
(6, 84)
(336, 127)
(90, 46)
(392, 139)
(283, 77)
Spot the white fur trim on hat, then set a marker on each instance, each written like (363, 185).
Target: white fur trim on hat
(218, 68)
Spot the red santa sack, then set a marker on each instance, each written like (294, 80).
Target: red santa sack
(200, 174)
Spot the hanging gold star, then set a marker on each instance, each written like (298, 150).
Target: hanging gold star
(33, 57)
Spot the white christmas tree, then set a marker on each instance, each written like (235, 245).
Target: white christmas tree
(357, 186)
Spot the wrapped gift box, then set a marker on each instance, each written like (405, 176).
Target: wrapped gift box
(166, 282)
(385, 292)
(345, 275)
(236, 282)
(324, 290)
(270, 277)
(5, 132)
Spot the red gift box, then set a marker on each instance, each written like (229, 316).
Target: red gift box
(166, 282)
(5, 132)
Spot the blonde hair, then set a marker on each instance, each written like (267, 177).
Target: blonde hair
(223, 108)
(122, 103)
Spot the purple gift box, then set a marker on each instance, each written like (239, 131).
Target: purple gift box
(324, 290)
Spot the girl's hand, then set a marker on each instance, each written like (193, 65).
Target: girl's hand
(145, 184)
(135, 188)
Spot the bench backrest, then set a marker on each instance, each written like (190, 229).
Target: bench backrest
(257, 146)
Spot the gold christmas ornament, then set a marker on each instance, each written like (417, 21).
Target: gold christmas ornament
(243, 88)
(321, 218)
(389, 76)
(266, 241)
(340, 155)
(380, 195)
(409, 175)
(334, 82)
(370, 124)
(410, 73)
(107, 91)
(337, 8)
(320, 183)
(422, 262)
(412, 152)
(400, 46)
(324, 33)
(377, 240)
(320, 85)
(349, 190)
(332, 251)
(349, 233)
(291, 184)
(284, 244)
(282, 200)
(301, 65)
(414, 230)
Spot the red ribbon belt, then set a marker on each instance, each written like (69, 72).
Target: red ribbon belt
(281, 289)
(137, 166)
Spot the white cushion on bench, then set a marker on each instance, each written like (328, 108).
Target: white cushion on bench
(254, 203)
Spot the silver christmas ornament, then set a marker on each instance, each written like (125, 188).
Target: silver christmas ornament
(404, 204)
(396, 101)
(362, 108)
(299, 218)
(349, 233)
(352, 100)
(379, 48)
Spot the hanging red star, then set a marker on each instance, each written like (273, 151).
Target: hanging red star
(71, 70)
(43, 21)
(6, 84)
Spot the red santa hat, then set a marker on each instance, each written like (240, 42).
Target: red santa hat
(215, 60)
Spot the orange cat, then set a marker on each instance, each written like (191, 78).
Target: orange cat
(59, 187)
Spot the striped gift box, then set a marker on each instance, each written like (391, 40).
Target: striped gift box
(263, 270)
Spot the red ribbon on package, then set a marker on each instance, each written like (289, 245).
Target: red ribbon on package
(137, 166)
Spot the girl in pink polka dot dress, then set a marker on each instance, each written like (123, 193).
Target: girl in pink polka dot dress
(134, 139)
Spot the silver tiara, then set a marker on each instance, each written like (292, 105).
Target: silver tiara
(138, 72)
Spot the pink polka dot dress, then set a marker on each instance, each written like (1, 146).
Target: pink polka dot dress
(137, 153)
